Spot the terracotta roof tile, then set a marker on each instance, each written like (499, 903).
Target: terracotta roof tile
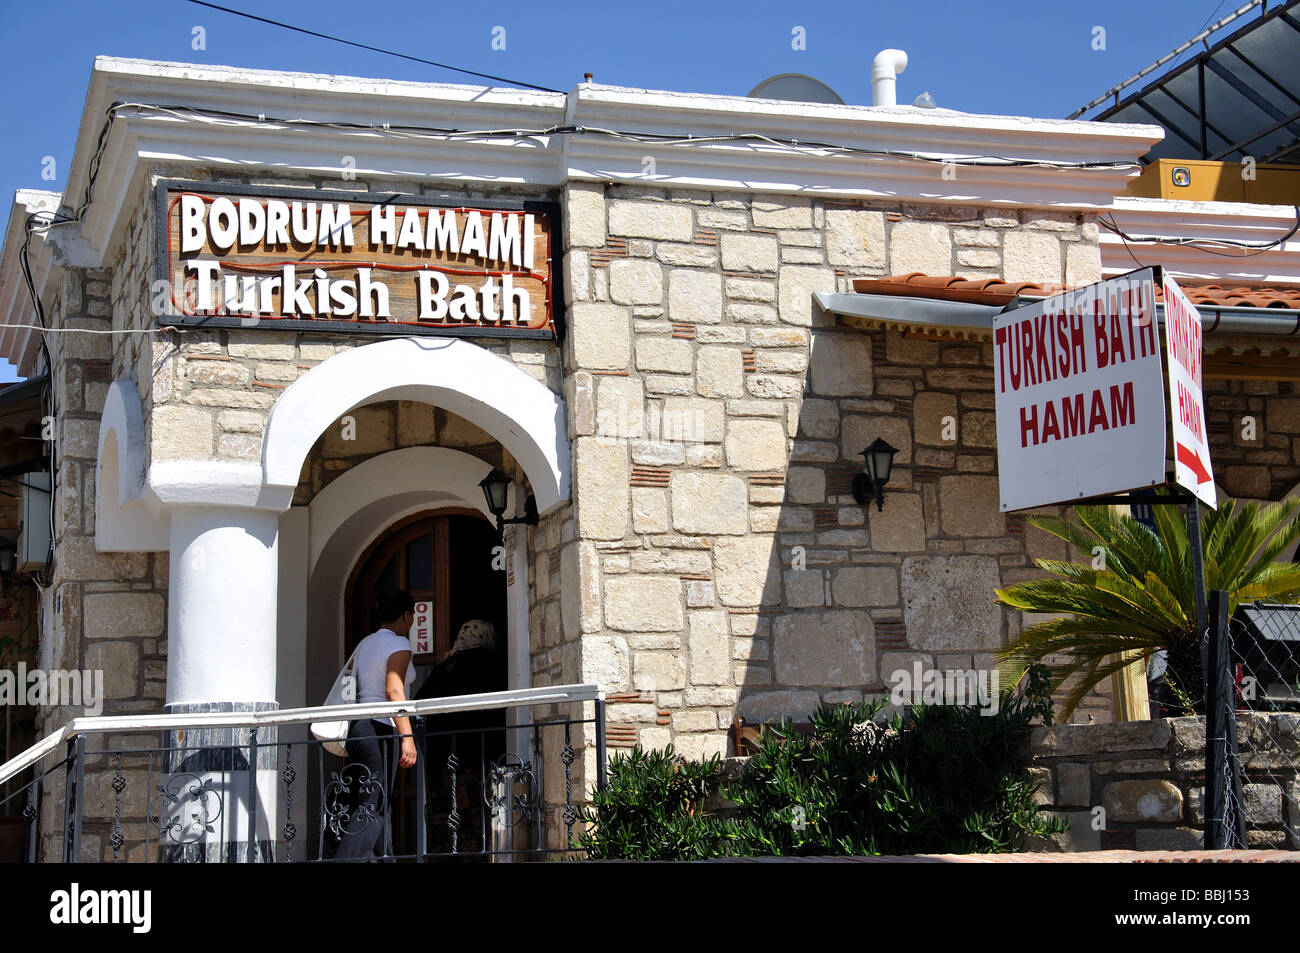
(995, 291)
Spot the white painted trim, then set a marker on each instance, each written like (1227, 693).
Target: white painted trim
(173, 483)
(19, 345)
(442, 470)
(487, 390)
(122, 523)
(143, 139)
(124, 416)
(547, 163)
(1236, 221)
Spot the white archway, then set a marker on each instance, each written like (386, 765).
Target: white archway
(331, 533)
(442, 475)
(122, 523)
(457, 375)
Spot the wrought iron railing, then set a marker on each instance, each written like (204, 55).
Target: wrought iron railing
(494, 779)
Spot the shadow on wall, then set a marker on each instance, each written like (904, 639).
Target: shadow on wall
(810, 597)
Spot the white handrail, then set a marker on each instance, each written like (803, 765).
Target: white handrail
(517, 698)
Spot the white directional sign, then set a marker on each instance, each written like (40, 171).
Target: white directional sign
(1079, 394)
(1186, 402)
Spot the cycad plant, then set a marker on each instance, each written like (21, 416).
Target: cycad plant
(1136, 594)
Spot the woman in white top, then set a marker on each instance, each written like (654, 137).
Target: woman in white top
(384, 673)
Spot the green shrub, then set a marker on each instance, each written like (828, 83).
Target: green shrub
(949, 780)
(652, 809)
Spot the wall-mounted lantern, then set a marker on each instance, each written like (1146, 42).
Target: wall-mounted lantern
(879, 463)
(496, 486)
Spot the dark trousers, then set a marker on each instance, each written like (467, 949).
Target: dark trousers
(370, 746)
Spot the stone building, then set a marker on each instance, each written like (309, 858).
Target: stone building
(688, 425)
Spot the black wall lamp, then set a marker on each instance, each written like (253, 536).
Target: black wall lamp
(879, 463)
(496, 487)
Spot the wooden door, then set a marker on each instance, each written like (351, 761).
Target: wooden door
(446, 558)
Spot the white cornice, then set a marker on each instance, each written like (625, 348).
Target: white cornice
(140, 139)
(17, 312)
(1234, 221)
(147, 137)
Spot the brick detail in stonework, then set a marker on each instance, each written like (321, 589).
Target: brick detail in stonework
(620, 736)
(839, 478)
(614, 248)
(891, 635)
(650, 476)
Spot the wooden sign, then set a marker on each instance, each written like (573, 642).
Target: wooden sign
(292, 259)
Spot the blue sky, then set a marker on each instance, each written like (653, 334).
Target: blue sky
(1013, 57)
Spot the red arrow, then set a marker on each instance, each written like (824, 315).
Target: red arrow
(1192, 460)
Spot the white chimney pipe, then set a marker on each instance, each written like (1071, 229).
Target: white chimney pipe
(884, 76)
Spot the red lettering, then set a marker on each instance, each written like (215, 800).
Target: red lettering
(1116, 340)
(1051, 428)
(1042, 354)
(1099, 332)
(1097, 412)
(1028, 425)
(1000, 341)
(1122, 408)
(1072, 413)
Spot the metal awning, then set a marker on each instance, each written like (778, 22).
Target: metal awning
(1239, 97)
(1271, 623)
(961, 319)
(958, 319)
(32, 387)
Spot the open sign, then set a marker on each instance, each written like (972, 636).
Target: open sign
(421, 634)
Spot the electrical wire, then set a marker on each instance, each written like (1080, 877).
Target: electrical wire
(1257, 248)
(798, 146)
(373, 49)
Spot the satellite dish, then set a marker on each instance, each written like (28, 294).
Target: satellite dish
(795, 88)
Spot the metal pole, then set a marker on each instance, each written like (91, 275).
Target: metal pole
(1224, 815)
(1197, 555)
(79, 798)
(421, 752)
(252, 795)
(600, 744)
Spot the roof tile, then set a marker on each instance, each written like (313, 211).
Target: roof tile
(995, 291)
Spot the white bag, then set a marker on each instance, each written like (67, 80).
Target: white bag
(334, 734)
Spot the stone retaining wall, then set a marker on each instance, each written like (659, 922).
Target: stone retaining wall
(1140, 785)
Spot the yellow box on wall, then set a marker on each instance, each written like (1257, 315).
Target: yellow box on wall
(1199, 180)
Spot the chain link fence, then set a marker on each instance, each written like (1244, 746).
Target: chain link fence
(1252, 792)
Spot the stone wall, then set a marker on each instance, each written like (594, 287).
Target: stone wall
(100, 611)
(1254, 436)
(719, 418)
(1140, 785)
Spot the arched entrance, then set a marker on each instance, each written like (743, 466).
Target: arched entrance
(450, 560)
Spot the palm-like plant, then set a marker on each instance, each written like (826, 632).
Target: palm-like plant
(1137, 595)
